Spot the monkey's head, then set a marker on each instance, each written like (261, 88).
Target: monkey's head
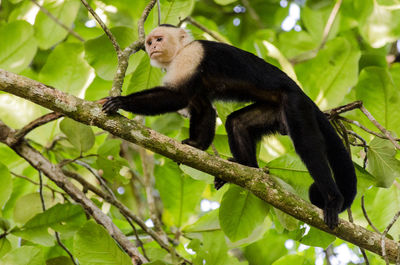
(164, 43)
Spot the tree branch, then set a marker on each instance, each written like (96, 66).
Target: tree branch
(53, 172)
(253, 179)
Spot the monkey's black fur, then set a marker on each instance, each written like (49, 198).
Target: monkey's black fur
(278, 106)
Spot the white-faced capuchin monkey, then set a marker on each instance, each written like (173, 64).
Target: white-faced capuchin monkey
(199, 72)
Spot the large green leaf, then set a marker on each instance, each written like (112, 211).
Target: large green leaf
(79, 135)
(25, 255)
(145, 76)
(94, 246)
(5, 185)
(17, 46)
(382, 26)
(48, 32)
(213, 250)
(100, 53)
(179, 193)
(317, 238)
(29, 205)
(382, 162)
(380, 216)
(380, 96)
(66, 70)
(240, 213)
(293, 259)
(327, 78)
(173, 10)
(65, 218)
(267, 250)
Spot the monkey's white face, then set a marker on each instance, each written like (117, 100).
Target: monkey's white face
(163, 44)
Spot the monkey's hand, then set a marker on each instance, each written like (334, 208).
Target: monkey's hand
(112, 104)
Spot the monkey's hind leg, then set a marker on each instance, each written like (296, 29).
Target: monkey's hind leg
(246, 126)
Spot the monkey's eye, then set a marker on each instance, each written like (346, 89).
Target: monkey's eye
(159, 39)
(149, 42)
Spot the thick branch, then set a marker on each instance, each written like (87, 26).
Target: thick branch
(255, 180)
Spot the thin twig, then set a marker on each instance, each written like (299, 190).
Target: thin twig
(141, 245)
(159, 12)
(351, 220)
(356, 123)
(36, 123)
(113, 40)
(380, 127)
(384, 234)
(203, 28)
(123, 209)
(36, 183)
(123, 56)
(364, 145)
(329, 23)
(366, 216)
(55, 19)
(328, 27)
(341, 109)
(148, 168)
(44, 209)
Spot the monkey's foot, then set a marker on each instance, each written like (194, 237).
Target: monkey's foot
(192, 143)
(218, 183)
(112, 104)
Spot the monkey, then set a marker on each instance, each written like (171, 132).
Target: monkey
(199, 72)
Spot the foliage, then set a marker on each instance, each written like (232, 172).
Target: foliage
(352, 61)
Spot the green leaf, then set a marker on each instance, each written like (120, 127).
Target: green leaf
(5, 185)
(382, 216)
(66, 70)
(389, 3)
(172, 10)
(61, 260)
(47, 31)
(315, 20)
(208, 222)
(382, 162)
(381, 27)
(145, 76)
(292, 171)
(179, 193)
(224, 2)
(24, 255)
(240, 213)
(213, 250)
(293, 259)
(100, 53)
(380, 96)
(18, 46)
(259, 253)
(61, 218)
(94, 246)
(81, 136)
(327, 78)
(317, 238)
(5, 246)
(29, 205)
(197, 174)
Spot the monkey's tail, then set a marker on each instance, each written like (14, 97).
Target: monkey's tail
(339, 160)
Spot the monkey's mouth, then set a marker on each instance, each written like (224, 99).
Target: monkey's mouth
(154, 53)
